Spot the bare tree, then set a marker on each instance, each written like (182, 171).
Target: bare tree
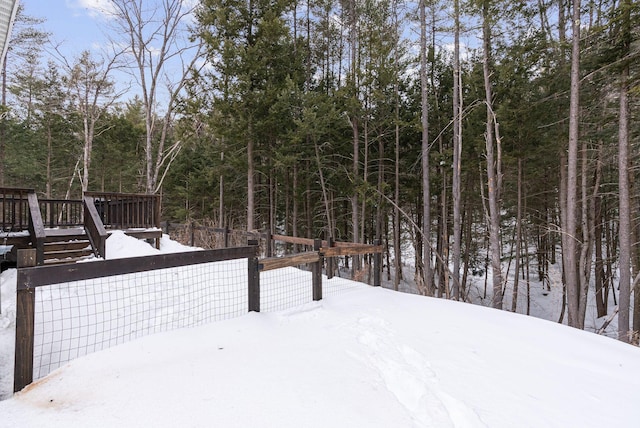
(426, 195)
(493, 155)
(162, 56)
(457, 151)
(570, 202)
(355, 125)
(623, 182)
(93, 93)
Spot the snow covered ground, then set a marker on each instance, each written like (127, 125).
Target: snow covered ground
(367, 357)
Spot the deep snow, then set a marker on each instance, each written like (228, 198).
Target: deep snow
(364, 357)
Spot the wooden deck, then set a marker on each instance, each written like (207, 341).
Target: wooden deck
(67, 230)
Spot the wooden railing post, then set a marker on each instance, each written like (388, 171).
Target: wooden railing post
(226, 236)
(253, 276)
(316, 269)
(330, 260)
(377, 265)
(157, 208)
(268, 244)
(25, 316)
(94, 228)
(36, 227)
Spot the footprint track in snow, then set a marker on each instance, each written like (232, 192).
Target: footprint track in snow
(408, 375)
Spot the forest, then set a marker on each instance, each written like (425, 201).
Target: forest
(464, 134)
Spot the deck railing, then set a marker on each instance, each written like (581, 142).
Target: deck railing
(127, 210)
(14, 209)
(36, 227)
(94, 227)
(116, 210)
(61, 212)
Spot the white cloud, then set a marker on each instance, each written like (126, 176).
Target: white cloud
(94, 8)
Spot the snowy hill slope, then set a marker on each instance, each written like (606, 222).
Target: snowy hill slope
(369, 357)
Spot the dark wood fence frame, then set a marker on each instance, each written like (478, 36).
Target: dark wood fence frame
(30, 277)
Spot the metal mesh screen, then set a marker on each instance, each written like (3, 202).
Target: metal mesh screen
(285, 288)
(77, 318)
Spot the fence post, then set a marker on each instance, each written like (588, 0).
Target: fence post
(226, 237)
(25, 308)
(254, 279)
(316, 271)
(330, 260)
(377, 264)
(268, 244)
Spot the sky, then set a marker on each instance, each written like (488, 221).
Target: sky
(363, 357)
(74, 23)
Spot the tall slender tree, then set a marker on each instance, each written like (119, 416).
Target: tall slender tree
(162, 57)
(493, 156)
(624, 198)
(457, 153)
(424, 153)
(93, 93)
(570, 204)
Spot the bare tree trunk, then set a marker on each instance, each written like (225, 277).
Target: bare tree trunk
(570, 238)
(493, 164)
(586, 248)
(397, 231)
(624, 231)
(381, 177)
(599, 279)
(443, 241)
(526, 260)
(635, 255)
(356, 135)
(424, 118)
(457, 151)
(250, 184)
(514, 301)
(49, 158)
(365, 171)
(3, 122)
(325, 196)
(88, 148)
(221, 222)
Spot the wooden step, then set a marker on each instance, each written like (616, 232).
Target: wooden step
(66, 246)
(67, 254)
(70, 234)
(49, 262)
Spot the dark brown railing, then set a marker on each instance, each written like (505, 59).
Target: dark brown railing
(61, 212)
(127, 210)
(94, 227)
(14, 207)
(36, 227)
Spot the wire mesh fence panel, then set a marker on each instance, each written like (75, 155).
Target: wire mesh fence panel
(337, 286)
(77, 318)
(342, 278)
(285, 288)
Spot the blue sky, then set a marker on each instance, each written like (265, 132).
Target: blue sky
(74, 23)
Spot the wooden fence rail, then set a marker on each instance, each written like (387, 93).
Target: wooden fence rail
(31, 277)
